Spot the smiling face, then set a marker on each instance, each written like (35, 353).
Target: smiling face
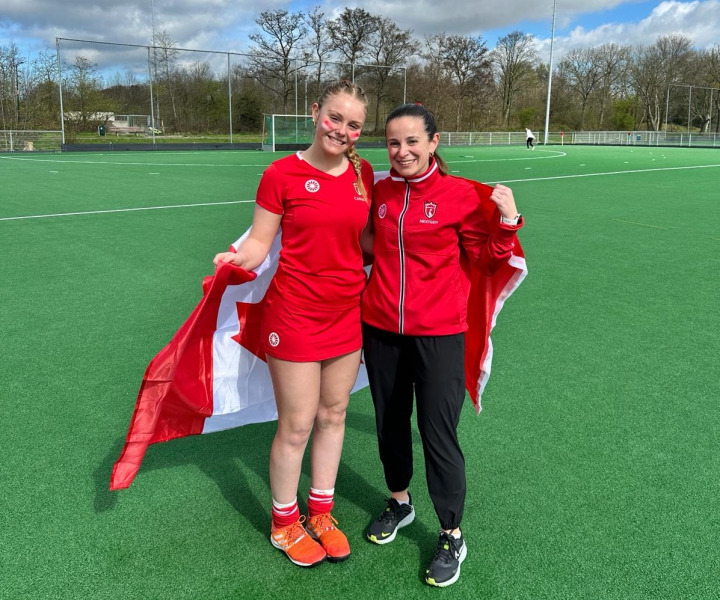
(338, 122)
(409, 146)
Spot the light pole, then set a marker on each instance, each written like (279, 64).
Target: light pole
(550, 73)
(17, 88)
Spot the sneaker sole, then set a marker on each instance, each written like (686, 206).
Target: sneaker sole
(406, 521)
(337, 559)
(296, 562)
(455, 577)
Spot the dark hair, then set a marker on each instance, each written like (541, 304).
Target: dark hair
(420, 112)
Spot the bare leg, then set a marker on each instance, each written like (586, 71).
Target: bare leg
(336, 381)
(297, 393)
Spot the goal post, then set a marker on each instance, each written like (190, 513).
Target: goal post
(287, 132)
(30, 141)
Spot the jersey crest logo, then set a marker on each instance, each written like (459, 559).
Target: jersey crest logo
(358, 195)
(382, 211)
(430, 208)
(274, 339)
(312, 186)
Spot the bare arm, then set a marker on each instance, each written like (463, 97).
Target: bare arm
(256, 246)
(367, 237)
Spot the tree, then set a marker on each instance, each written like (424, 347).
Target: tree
(655, 68)
(514, 58)
(10, 62)
(162, 61)
(467, 65)
(318, 48)
(41, 99)
(388, 47)
(84, 100)
(711, 67)
(272, 56)
(614, 62)
(350, 34)
(582, 69)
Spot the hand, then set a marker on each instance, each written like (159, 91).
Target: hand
(503, 197)
(229, 257)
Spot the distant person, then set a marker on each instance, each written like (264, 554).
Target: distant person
(311, 327)
(426, 225)
(530, 141)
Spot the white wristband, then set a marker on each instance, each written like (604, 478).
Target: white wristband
(506, 221)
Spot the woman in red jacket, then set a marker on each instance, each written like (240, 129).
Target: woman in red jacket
(426, 224)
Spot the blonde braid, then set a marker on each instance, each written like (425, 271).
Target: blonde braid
(354, 159)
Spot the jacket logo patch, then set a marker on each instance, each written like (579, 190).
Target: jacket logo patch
(312, 186)
(430, 208)
(382, 211)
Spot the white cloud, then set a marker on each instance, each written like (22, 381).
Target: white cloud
(699, 21)
(225, 24)
(471, 17)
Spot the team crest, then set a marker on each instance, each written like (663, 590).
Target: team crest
(382, 211)
(274, 339)
(312, 186)
(430, 208)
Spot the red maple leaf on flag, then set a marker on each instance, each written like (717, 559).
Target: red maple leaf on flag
(249, 314)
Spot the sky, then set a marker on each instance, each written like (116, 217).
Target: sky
(224, 25)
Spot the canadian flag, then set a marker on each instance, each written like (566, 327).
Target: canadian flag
(213, 376)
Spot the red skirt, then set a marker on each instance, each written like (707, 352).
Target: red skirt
(299, 334)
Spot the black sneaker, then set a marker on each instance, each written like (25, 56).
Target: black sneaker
(395, 516)
(445, 566)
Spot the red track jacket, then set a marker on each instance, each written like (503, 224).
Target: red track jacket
(427, 231)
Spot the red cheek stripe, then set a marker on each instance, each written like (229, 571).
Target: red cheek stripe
(354, 135)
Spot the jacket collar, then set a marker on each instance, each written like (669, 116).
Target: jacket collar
(424, 178)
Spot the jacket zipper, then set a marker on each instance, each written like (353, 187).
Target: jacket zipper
(401, 248)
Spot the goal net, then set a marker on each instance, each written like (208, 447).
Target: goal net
(287, 132)
(30, 141)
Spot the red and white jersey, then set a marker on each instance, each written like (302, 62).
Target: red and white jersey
(427, 230)
(323, 215)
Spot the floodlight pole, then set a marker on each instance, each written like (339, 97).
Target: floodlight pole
(60, 91)
(547, 107)
(17, 89)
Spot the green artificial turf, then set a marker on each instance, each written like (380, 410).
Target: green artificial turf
(592, 470)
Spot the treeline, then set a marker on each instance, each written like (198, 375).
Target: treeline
(468, 85)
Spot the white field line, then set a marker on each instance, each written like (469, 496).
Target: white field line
(119, 210)
(505, 181)
(605, 174)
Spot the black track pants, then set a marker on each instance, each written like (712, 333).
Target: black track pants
(432, 366)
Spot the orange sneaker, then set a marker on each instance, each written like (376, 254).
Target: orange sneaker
(322, 528)
(295, 542)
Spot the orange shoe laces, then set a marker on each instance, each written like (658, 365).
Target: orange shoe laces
(323, 522)
(292, 533)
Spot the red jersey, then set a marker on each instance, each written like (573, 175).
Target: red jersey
(426, 231)
(323, 215)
